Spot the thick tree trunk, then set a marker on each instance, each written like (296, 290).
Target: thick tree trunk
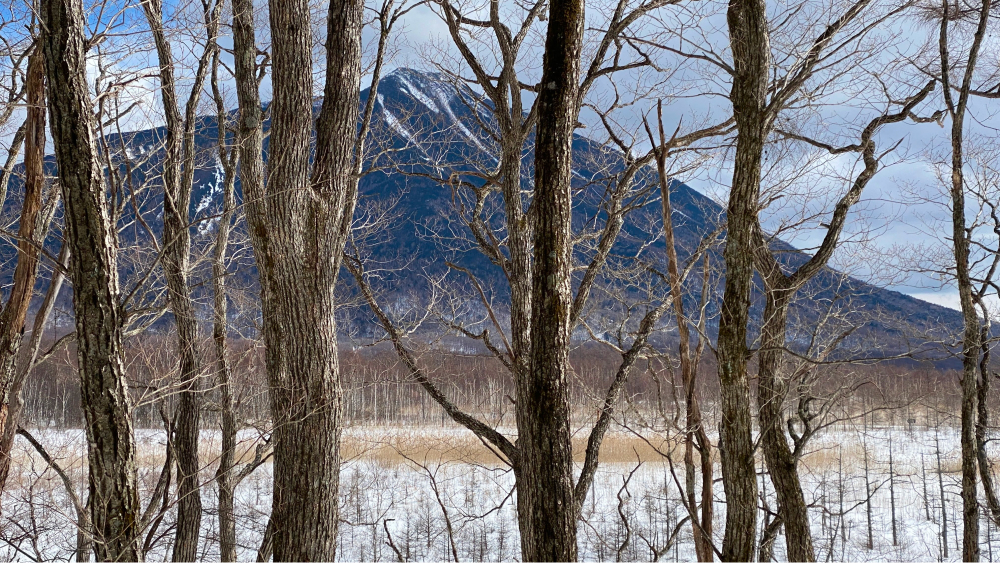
(748, 31)
(107, 407)
(781, 463)
(545, 497)
(298, 228)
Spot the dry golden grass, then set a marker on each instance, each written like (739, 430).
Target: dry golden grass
(393, 446)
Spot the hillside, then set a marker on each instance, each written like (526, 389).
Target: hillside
(427, 134)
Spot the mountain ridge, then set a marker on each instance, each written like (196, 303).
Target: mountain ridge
(423, 127)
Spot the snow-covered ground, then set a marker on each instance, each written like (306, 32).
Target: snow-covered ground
(388, 491)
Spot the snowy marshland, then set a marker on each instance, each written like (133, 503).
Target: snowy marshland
(434, 493)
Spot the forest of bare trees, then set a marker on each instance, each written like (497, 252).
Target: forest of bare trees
(536, 280)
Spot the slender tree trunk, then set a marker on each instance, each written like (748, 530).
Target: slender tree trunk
(107, 407)
(944, 505)
(546, 503)
(983, 425)
(32, 229)
(520, 256)
(748, 31)
(961, 243)
(781, 462)
(781, 458)
(892, 495)
(220, 326)
(249, 143)
(178, 179)
(694, 432)
(868, 493)
(16, 404)
(767, 538)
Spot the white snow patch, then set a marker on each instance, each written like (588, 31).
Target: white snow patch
(396, 125)
(418, 95)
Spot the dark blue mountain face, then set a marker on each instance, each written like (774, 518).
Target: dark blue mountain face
(432, 145)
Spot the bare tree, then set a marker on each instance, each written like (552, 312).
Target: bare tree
(762, 87)
(782, 283)
(114, 501)
(37, 209)
(961, 235)
(298, 225)
(695, 435)
(178, 178)
(541, 412)
(225, 478)
(750, 42)
(547, 508)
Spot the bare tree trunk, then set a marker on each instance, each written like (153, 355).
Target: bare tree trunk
(107, 407)
(868, 491)
(892, 495)
(961, 241)
(298, 227)
(16, 403)
(781, 458)
(547, 511)
(32, 229)
(944, 507)
(781, 461)
(178, 179)
(694, 431)
(983, 425)
(767, 538)
(220, 326)
(750, 43)
(249, 140)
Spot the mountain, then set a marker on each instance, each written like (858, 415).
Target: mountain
(429, 134)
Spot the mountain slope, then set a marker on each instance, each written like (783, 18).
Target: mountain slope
(427, 135)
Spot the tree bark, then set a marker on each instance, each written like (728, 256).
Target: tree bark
(545, 496)
(220, 327)
(694, 431)
(298, 228)
(750, 43)
(33, 226)
(983, 425)
(178, 180)
(781, 461)
(772, 386)
(107, 407)
(16, 403)
(961, 243)
(249, 140)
